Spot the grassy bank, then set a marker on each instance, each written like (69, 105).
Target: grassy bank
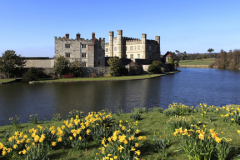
(151, 123)
(6, 80)
(120, 78)
(207, 61)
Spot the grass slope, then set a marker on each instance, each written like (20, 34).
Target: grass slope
(207, 61)
(151, 122)
(146, 76)
(6, 80)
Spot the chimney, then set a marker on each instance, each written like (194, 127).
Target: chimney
(93, 37)
(78, 36)
(67, 35)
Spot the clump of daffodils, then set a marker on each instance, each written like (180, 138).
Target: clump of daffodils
(177, 109)
(198, 140)
(122, 144)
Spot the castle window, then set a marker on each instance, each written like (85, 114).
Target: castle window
(138, 56)
(67, 55)
(115, 48)
(83, 55)
(150, 47)
(106, 49)
(99, 63)
(131, 48)
(131, 56)
(67, 45)
(83, 45)
(138, 47)
(100, 56)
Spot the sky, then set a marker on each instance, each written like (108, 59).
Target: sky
(29, 26)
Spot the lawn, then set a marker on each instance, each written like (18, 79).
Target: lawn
(6, 80)
(120, 78)
(207, 61)
(152, 123)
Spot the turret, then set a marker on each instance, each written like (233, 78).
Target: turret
(144, 37)
(119, 44)
(111, 35)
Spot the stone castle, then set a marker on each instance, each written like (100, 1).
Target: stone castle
(95, 52)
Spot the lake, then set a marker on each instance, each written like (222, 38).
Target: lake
(191, 87)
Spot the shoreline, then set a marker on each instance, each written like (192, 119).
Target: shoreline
(103, 80)
(194, 66)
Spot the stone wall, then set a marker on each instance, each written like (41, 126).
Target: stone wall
(39, 63)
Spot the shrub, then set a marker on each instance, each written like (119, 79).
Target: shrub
(32, 74)
(155, 67)
(135, 69)
(75, 68)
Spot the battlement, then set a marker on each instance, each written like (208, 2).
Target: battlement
(130, 38)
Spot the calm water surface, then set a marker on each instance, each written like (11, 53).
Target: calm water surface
(191, 87)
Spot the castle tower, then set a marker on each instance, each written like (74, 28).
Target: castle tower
(119, 51)
(144, 38)
(157, 38)
(111, 35)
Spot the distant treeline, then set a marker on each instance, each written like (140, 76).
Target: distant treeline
(187, 56)
(223, 60)
(227, 60)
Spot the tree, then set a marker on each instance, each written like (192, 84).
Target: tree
(75, 68)
(11, 64)
(210, 50)
(32, 74)
(176, 64)
(115, 66)
(171, 63)
(61, 65)
(155, 67)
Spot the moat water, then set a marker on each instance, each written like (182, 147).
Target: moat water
(191, 87)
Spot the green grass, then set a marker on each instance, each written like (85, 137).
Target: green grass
(151, 122)
(104, 78)
(207, 61)
(6, 80)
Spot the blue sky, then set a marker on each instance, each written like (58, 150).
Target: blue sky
(194, 26)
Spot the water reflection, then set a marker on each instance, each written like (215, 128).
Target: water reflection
(191, 87)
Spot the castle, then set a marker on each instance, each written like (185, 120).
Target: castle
(93, 52)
